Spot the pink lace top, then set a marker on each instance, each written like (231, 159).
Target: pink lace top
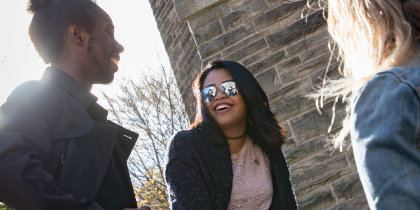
(252, 184)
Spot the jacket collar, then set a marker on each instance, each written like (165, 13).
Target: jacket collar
(77, 91)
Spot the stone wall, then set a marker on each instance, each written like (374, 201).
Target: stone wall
(288, 55)
(181, 49)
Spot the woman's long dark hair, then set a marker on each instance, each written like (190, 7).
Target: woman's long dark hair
(262, 126)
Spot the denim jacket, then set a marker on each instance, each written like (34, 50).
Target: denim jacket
(385, 136)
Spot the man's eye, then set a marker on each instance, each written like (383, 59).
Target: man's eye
(110, 32)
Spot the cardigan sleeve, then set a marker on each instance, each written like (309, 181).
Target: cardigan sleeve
(186, 186)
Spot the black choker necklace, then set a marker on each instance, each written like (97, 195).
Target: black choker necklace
(236, 137)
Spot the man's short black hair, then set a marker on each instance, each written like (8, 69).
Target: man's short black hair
(51, 19)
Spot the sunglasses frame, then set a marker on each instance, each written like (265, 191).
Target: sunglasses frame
(206, 98)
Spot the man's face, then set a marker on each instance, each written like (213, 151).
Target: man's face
(103, 51)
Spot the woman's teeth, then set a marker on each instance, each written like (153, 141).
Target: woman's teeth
(222, 107)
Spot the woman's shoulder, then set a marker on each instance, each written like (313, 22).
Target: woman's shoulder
(388, 99)
(185, 142)
(404, 75)
(393, 82)
(186, 136)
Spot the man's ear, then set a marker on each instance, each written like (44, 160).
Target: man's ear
(76, 35)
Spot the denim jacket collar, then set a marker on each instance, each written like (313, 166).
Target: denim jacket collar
(413, 61)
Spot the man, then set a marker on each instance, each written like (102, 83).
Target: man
(57, 148)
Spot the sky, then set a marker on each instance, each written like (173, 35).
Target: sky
(135, 29)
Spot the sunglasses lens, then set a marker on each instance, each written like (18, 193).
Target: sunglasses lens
(229, 88)
(208, 94)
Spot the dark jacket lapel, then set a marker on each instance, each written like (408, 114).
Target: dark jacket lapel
(94, 150)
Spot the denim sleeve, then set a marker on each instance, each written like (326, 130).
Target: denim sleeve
(385, 128)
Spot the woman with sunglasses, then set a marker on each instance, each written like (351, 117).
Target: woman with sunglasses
(231, 157)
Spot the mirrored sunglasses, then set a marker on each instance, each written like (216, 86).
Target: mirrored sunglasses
(228, 88)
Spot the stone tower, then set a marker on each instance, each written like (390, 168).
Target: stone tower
(285, 45)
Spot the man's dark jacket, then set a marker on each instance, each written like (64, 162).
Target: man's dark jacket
(58, 150)
(199, 174)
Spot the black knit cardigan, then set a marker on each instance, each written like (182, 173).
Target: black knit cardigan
(199, 174)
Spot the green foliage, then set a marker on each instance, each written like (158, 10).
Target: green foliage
(4, 207)
(153, 192)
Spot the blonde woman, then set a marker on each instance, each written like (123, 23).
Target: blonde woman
(378, 41)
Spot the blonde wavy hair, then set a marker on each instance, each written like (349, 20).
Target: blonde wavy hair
(371, 36)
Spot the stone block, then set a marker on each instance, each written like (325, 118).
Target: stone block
(288, 145)
(239, 33)
(176, 50)
(187, 8)
(291, 107)
(207, 32)
(181, 30)
(158, 7)
(290, 90)
(318, 199)
(313, 123)
(359, 203)
(288, 129)
(210, 48)
(169, 8)
(189, 102)
(187, 39)
(209, 16)
(186, 59)
(268, 80)
(277, 14)
(319, 170)
(317, 78)
(350, 157)
(243, 14)
(320, 49)
(308, 42)
(211, 58)
(347, 187)
(324, 154)
(305, 150)
(296, 31)
(255, 56)
(273, 3)
(247, 50)
(304, 69)
(320, 175)
(235, 4)
(217, 44)
(168, 43)
(164, 27)
(196, 63)
(266, 63)
(288, 64)
(241, 44)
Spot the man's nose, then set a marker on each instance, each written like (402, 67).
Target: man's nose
(119, 46)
